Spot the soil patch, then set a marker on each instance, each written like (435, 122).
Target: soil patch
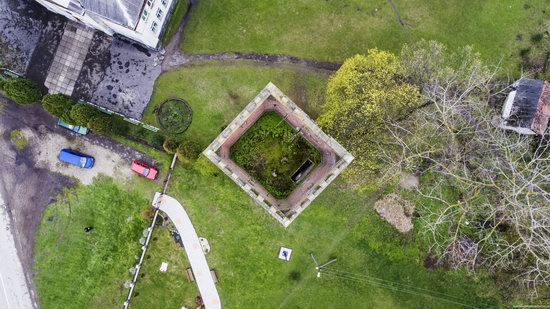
(396, 211)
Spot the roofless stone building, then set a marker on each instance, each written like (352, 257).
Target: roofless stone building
(334, 157)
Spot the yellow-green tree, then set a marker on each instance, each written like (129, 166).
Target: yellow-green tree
(362, 95)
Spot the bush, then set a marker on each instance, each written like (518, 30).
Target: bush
(22, 90)
(58, 105)
(537, 37)
(101, 124)
(188, 151)
(2, 82)
(157, 140)
(170, 145)
(81, 114)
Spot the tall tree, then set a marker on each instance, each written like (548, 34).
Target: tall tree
(366, 91)
(500, 216)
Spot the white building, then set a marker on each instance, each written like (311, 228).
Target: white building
(139, 20)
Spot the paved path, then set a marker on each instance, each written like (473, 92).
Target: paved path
(14, 293)
(192, 246)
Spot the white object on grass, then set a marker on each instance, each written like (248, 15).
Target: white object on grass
(163, 267)
(284, 253)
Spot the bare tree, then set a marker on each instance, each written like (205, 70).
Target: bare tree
(500, 218)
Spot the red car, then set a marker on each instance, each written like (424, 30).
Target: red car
(144, 170)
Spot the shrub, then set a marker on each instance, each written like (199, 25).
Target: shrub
(101, 124)
(170, 145)
(537, 37)
(2, 82)
(188, 151)
(58, 105)
(22, 90)
(157, 140)
(81, 114)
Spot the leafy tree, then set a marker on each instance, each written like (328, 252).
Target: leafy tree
(81, 114)
(366, 91)
(170, 145)
(58, 105)
(22, 90)
(188, 151)
(101, 124)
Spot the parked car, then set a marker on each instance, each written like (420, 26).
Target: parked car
(76, 158)
(144, 170)
(77, 129)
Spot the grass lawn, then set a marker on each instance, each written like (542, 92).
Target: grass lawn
(217, 93)
(171, 288)
(75, 269)
(341, 223)
(175, 20)
(272, 147)
(334, 30)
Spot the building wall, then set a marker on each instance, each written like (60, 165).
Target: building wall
(148, 29)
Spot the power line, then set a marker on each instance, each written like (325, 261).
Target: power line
(392, 286)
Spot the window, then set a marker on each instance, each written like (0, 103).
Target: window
(154, 26)
(159, 14)
(144, 16)
(150, 2)
(164, 2)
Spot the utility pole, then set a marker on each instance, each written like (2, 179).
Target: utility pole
(318, 267)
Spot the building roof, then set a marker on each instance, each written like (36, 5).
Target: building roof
(525, 103)
(123, 12)
(542, 116)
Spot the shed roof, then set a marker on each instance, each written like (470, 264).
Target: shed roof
(525, 103)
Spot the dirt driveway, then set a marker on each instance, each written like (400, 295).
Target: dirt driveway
(32, 176)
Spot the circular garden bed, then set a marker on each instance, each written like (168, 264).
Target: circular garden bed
(174, 116)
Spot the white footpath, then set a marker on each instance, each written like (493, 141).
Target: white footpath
(173, 209)
(14, 293)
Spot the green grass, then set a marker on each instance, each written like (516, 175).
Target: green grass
(164, 290)
(175, 20)
(217, 93)
(75, 269)
(334, 30)
(341, 223)
(263, 149)
(18, 139)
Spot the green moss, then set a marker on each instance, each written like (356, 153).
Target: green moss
(18, 139)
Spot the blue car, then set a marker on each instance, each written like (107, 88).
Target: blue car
(76, 158)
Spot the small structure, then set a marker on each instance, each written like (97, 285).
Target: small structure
(335, 158)
(527, 107)
(285, 253)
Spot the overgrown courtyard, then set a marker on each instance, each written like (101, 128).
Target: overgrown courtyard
(271, 151)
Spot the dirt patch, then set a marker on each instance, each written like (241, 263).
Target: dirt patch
(46, 148)
(408, 182)
(396, 211)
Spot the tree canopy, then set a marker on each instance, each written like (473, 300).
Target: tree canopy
(22, 90)
(81, 114)
(58, 105)
(364, 92)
